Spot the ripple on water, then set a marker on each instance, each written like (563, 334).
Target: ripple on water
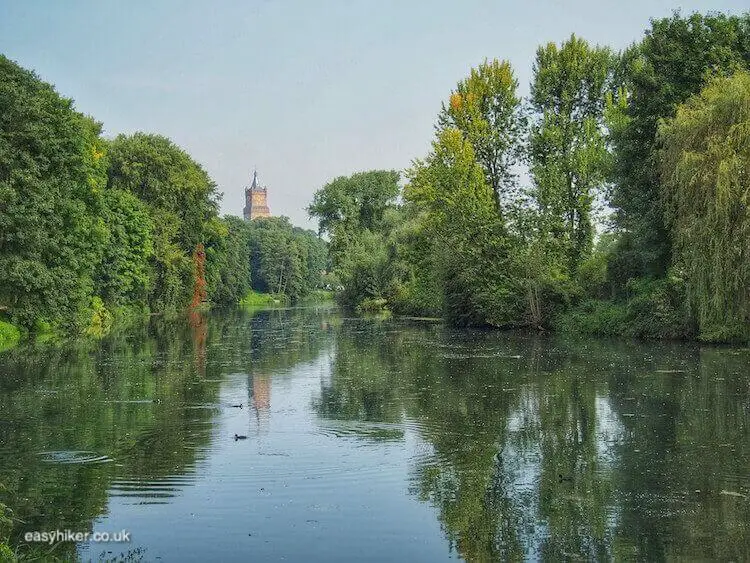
(153, 491)
(71, 457)
(378, 431)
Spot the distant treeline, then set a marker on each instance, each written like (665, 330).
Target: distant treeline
(92, 228)
(651, 144)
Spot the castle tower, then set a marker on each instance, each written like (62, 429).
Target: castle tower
(256, 204)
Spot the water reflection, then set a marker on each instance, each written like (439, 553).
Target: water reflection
(548, 449)
(479, 445)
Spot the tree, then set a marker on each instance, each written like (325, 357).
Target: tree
(316, 250)
(567, 146)
(487, 110)
(228, 256)
(123, 276)
(164, 176)
(52, 173)
(285, 259)
(673, 62)
(182, 201)
(351, 211)
(355, 202)
(473, 251)
(705, 167)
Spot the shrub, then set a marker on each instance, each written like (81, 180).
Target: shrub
(9, 335)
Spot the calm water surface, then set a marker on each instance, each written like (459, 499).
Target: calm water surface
(376, 440)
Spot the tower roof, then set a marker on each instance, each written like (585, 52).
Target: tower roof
(254, 185)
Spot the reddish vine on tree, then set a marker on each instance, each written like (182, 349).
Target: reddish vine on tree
(199, 269)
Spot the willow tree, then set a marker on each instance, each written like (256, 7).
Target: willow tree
(486, 109)
(706, 187)
(567, 146)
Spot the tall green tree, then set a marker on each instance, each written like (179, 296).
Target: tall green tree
(182, 201)
(568, 152)
(486, 108)
(351, 212)
(316, 250)
(358, 201)
(228, 258)
(167, 178)
(285, 259)
(470, 242)
(705, 159)
(673, 62)
(123, 275)
(52, 174)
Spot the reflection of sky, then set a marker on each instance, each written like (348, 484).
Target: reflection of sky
(522, 461)
(297, 490)
(609, 432)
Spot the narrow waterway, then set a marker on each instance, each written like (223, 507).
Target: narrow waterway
(376, 440)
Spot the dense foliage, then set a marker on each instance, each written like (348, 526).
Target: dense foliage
(353, 213)
(285, 259)
(503, 223)
(676, 58)
(52, 180)
(91, 229)
(567, 147)
(706, 182)
(469, 242)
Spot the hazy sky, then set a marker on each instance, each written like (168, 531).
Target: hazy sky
(304, 90)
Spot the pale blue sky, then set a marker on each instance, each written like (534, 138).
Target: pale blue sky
(305, 90)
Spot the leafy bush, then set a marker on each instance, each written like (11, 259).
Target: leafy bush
(372, 305)
(101, 319)
(9, 334)
(594, 317)
(655, 309)
(658, 309)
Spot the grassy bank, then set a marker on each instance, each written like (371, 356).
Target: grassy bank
(256, 299)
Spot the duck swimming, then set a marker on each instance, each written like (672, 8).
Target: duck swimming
(238, 437)
(236, 406)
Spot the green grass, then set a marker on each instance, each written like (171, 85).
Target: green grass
(9, 335)
(255, 299)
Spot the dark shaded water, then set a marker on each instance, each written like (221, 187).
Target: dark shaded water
(377, 440)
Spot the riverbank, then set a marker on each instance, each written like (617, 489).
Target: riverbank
(104, 321)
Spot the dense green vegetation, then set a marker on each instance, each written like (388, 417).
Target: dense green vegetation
(632, 218)
(92, 230)
(9, 334)
(612, 201)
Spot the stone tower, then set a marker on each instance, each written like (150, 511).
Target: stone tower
(256, 204)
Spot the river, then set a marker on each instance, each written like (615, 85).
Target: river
(372, 439)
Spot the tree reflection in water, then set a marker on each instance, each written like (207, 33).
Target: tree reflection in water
(526, 446)
(545, 448)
